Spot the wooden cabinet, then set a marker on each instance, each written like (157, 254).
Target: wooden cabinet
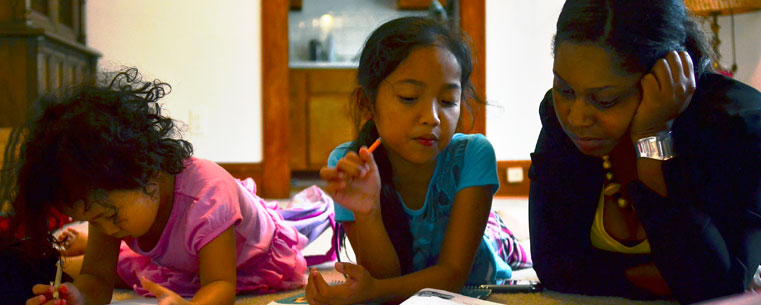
(42, 49)
(319, 115)
(416, 4)
(295, 5)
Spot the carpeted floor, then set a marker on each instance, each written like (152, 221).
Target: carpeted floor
(515, 213)
(543, 298)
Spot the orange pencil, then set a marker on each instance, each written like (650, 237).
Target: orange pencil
(374, 146)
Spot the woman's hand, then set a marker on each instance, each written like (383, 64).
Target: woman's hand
(68, 294)
(355, 182)
(164, 295)
(666, 93)
(358, 288)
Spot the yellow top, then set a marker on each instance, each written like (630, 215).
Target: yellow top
(603, 241)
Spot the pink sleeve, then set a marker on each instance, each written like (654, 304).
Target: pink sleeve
(216, 209)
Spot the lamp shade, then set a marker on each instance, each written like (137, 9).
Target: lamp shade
(722, 7)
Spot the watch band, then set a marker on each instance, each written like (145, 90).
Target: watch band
(658, 147)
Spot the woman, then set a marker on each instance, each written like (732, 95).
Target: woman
(646, 177)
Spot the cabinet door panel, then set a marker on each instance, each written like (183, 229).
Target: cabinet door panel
(332, 80)
(298, 120)
(329, 125)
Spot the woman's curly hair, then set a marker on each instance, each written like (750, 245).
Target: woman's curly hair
(93, 137)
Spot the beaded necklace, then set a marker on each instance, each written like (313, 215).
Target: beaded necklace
(610, 188)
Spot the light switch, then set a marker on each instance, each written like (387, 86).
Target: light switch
(197, 119)
(514, 174)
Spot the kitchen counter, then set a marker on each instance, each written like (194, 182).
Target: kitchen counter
(323, 65)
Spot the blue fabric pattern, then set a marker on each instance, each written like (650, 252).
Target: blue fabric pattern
(467, 161)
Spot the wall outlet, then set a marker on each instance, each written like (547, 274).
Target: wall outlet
(197, 121)
(514, 174)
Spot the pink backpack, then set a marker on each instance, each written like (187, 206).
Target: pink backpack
(311, 213)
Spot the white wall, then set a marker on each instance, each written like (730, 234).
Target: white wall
(519, 67)
(747, 43)
(518, 72)
(209, 51)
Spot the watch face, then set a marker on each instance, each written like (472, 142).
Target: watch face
(655, 147)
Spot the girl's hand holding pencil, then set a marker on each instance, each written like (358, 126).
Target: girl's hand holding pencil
(355, 181)
(359, 285)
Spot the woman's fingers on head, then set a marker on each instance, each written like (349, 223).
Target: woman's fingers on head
(676, 67)
(689, 67)
(649, 86)
(662, 72)
(689, 71)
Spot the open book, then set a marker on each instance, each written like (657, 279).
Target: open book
(430, 296)
(424, 296)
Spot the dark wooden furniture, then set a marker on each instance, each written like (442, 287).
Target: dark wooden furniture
(42, 49)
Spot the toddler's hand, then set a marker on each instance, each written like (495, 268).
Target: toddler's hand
(68, 295)
(355, 182)
(164, 295)
(73, 242)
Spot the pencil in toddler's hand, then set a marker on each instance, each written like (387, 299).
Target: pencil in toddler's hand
(374, 146)
(57, 282)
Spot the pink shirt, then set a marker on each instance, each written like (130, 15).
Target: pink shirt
(208, 201)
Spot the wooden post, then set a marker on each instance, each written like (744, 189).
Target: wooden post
(473, 22)
(276, 171)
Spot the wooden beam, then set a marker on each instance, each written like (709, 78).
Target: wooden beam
(473, 22)
(276, 171)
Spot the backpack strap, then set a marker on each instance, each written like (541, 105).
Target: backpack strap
(311, 213)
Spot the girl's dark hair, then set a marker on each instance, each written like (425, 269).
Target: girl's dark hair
(92, 137)
(384, 50)
(639, 32)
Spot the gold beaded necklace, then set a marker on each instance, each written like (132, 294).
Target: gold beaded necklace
(610, 188)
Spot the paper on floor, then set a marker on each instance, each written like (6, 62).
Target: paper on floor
(429, 296)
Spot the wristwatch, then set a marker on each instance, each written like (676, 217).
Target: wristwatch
(658, 147)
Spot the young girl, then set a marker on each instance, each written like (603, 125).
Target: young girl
(108, 156)
(415, 210)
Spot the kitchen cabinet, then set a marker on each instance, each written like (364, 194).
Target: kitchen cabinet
(416, 4)
(319, 114)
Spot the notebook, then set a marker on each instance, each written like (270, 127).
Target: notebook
(430, 296)
(468, 292)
